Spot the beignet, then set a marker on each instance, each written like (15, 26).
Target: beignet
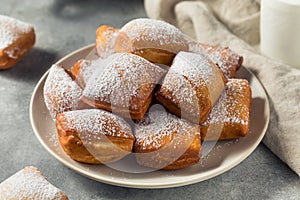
(230, 117)
(227, 60)
(16, 39)
(191, 87)
(94, 136)
(29, 183)
(124, 85)
(61, 93)
(164, 141)
(155, 40)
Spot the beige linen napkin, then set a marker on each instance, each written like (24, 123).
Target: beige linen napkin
(236, 24)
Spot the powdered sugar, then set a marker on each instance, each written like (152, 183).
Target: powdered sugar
(11, 29)
(155, 32)
(106, 43)
(195, 67)
(126, 81)
(189, 74)
(88, 67)
(180, 91)
(61, 93)
(158, 126)
(29, 183)
(225, 58)
(225, 109)
(93, 124)
(14, 53)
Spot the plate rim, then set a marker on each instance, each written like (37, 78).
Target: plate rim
(141, 185)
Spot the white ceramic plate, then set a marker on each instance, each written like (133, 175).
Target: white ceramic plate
(222, 157)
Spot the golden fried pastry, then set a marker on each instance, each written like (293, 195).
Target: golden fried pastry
(121, 84)
(61, 93)
(94, 136)
(164, 141)
(81, 70)
(107, 40)
(29, 183)
(16, 39)
(230, 117)
(191, 87)
(227, 60)
(124, 86)
(154, 40)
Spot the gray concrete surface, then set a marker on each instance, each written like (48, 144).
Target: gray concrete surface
(66, 25)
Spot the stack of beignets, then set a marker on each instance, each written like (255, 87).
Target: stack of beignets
(198, 90)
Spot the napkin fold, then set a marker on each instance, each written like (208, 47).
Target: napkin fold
(235, 24)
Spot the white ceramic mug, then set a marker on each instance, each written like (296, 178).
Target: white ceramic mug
(280, 30)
